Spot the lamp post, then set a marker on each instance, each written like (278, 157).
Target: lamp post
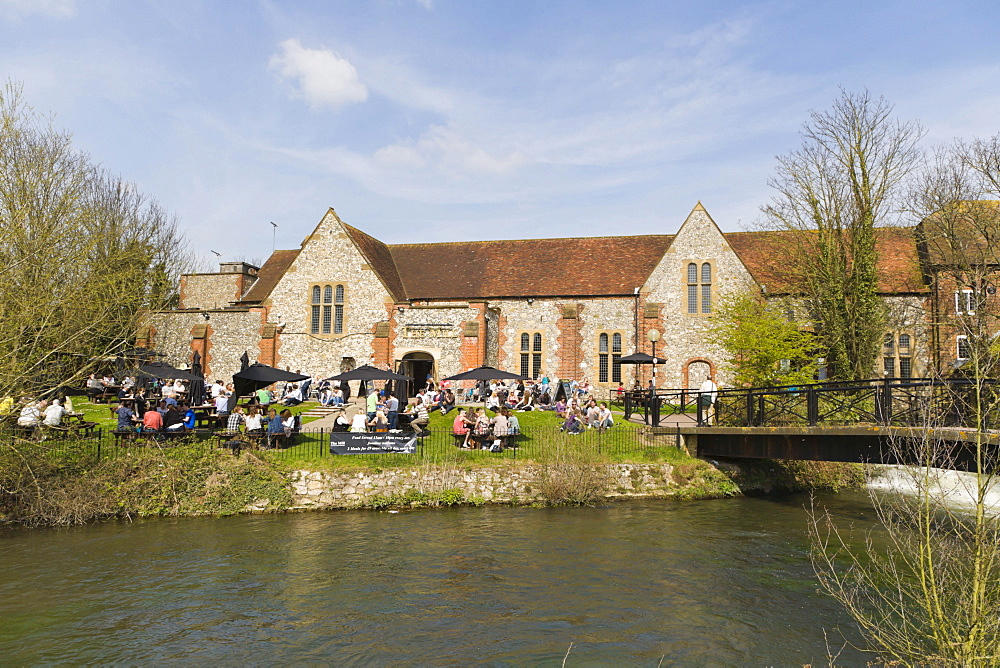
(653, 335)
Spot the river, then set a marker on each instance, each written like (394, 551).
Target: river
(724, 582)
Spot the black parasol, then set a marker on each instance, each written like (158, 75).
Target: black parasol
(369, 372)
(256, 376)
(486, 373)
(164, 370)
(244, 361)
(641, 358)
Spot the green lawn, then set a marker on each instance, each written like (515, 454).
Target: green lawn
(540, 441)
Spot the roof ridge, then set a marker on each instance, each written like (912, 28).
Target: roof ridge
(501, 241)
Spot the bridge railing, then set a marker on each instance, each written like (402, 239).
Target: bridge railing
(912, 402)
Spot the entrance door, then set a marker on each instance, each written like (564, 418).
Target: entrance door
(417, 366)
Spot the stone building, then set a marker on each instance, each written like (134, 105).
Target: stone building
(568, 308)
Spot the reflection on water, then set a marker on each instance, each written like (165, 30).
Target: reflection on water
(714, 582)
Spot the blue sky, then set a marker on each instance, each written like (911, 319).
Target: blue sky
(449, 120)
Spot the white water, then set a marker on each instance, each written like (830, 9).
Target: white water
(953, 489)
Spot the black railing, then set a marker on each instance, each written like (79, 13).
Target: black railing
(440, 446)
(912, 402)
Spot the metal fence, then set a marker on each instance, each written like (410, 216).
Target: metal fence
(539, 444)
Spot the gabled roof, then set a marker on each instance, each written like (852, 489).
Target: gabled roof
(380, 259)
(269, 275)
(576, 267)
(765, 255)
(528, 267)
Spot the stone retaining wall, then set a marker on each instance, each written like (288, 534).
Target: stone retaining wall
(518, 483)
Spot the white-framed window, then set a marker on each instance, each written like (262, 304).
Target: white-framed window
(965, 302)
(962, 350)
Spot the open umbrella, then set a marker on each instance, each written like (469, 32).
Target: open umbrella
(256, 376)
(369, 372)
(164, 370)
(641, 358)
(485, 373)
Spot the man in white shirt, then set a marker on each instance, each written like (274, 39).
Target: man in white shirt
(707, 394)
(53, 414)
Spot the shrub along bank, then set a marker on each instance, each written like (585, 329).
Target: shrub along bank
(45, 484)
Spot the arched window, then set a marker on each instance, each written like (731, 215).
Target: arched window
(699, 286)
(338, 308)
(896, 356)
(314, 316)
(609, 357)
(326, 306)
(531, 354)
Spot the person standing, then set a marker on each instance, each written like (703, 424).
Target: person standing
(371, 403)
(392, 411)
(708, 393)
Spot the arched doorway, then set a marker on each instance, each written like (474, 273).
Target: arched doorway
(418, 366)
(696, 371)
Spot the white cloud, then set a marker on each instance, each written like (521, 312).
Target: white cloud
(449, 150)
(16, 10)
(426, 4)
(322, 77)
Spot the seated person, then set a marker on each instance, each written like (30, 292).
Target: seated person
(236, 420)
(379, 423)
(561, 409)
(462, 426)
(31, 414)
(513, 427)
(94, 386)
(341, 424)
(264, 396)
(526, 403)
(275, 428)
(294, 396)
(53, 414)
(126, 417)
(359, 423)
(222, 405)
(254, 421)
(421, 419)
(152, 421)
(605, 420)
(573, 423)
(173, 420)
(288, 421)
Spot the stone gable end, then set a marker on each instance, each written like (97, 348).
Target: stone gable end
(328, 257)
(698, 241)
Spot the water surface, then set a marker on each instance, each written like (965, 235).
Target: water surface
(723, 582)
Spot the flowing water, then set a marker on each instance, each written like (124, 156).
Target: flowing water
(723, 582)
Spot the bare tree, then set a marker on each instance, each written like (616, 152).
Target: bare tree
(925, 586)
(82, 253)
(833, 193)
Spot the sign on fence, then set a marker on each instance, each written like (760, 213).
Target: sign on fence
(372, 444)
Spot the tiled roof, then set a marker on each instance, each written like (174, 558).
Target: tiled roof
(380, 259)
(528, 267)
(765, 255)
(964, 234)
(269, 275)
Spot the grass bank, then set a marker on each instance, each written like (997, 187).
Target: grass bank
(73, 482)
